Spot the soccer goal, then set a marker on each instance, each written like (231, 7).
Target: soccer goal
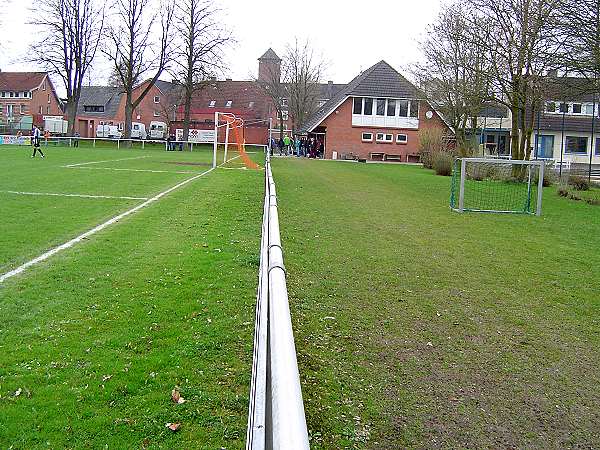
(234, 128)
(497, 186)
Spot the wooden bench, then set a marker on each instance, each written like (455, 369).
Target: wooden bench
(379, 155)
(389, 157)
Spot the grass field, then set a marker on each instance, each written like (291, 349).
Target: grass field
(95, 338)
(417, 327)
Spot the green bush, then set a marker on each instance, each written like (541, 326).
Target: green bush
(442, 163)
(579, 183)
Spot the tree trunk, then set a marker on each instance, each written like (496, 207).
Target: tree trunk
(128, 117)
(280, 113)
(514, 132)
(187, 113)
(71, 114)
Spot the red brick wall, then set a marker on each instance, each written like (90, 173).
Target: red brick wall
(343, 138)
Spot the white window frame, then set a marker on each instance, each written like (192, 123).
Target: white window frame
(364, 139)
(156, 99)
(10, 110)
(285, 115)
(384, 139)
(228, 103)
(41, 109)
(156, 114)
(401, 141)
(212, 103)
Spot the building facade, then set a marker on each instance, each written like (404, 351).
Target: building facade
(377, 116)
(25, 99)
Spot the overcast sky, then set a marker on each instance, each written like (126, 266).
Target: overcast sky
(351, 35)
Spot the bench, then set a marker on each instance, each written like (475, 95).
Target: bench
(389, 157)
(379, 155)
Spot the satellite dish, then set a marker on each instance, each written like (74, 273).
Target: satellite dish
(429, 114)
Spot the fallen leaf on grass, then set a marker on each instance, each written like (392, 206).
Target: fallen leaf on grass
(18, 392)
(173, 426)
(176, 397)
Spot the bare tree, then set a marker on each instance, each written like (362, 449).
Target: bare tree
(70, 36)
(199, 53)
(136, 49)
(520, 38)
(302, 73)
(170, 102)
(454, 74)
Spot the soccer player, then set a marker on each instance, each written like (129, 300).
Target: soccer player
(35, 140)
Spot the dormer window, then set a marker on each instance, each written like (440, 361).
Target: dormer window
(212, 104)
(93, 108)
(228, 104)
(251, 105)
(156, 99)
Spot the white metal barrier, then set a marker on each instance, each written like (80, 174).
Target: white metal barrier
(276, 413)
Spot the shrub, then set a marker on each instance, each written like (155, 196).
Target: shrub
(579, 183)
(432, 141)
(443, 163)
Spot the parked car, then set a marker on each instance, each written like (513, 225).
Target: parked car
(108, 131)
(158, 130)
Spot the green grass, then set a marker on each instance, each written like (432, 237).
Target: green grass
(97, 336)
(417, 327)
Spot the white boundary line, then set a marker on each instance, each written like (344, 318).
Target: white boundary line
(135, 170)
(108, 160)
(74, 195)
(100, 227)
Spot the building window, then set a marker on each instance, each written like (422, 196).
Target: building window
(368, 110)
(597, 150)
(358, 105)
(9, 110)
(48, 110)
(414, 108)
(156, 114)
(251, 105)
(228, 104)
(121, 126)
(576, 144)
(367, 137)
(284, 115)
(576, 108)
(48, 98)
(3, 94)
(12, 94)
(156, 99)
(93, 108)
(391, 108)
(385, 137)
(588, 109)
(563, 108)
(545, 146)
(401, 139)
(212, 104)
(23, 109)
(403, 108)
(380, 107)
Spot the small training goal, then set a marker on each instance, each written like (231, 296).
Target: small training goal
(497, 186)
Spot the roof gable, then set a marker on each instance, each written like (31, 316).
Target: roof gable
(270, 55)
(380, 80)
(106, 96)
(21, 81)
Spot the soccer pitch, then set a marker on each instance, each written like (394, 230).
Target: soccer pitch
(95, 337)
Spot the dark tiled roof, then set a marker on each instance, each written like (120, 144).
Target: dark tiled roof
(21, 81)
(165, 86)
(570, 89)
(269, 55)
(494, 111)
(380, 80)
(109, 97)
(554, 122)
(247, 99)
(329, 90)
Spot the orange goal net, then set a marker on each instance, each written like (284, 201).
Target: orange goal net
(234, 128)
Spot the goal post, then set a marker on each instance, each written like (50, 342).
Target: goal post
(497, 186)
(233, 125)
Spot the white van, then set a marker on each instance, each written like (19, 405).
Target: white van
(158, 130)
(138, 131)
(55, 125)
(108, 131)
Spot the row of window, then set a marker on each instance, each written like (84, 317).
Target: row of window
(367, 106)
(576, 109)
(23, 109)
(385, 137)
(9, 94)
(573, 145)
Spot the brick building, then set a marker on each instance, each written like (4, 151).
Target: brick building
(105, 105)
(377, 116)
(25, 99)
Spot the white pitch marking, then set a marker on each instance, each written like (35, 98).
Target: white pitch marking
(136, 170)
(74, 195)
(100, 227)
(108, 160)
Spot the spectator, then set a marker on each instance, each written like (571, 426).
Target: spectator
(280, 145)
(286, 142)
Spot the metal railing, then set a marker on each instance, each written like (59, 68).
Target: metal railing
(276, 412)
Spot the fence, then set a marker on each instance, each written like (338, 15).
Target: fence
(276, 413)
